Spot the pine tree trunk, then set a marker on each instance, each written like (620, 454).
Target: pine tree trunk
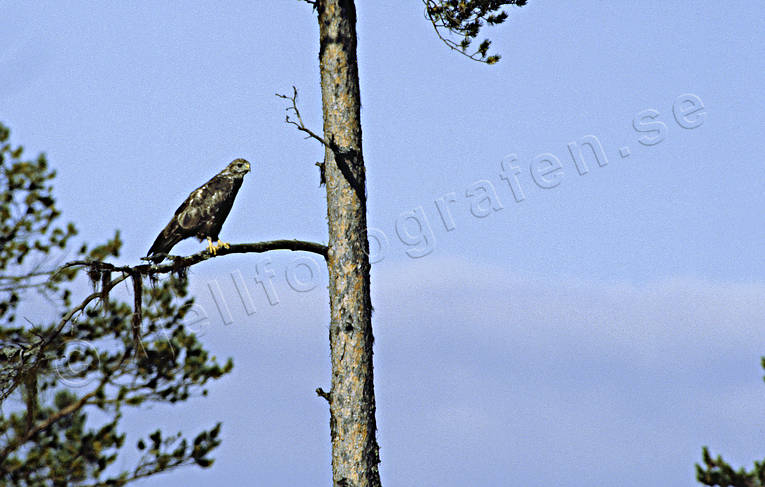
(355, 453)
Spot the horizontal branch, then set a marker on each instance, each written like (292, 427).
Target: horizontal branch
(180, 263)
(244, 248)
(31, 355)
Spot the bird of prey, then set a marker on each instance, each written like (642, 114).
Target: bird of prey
(203, 213)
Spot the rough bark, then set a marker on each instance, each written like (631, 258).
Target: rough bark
(355, 454)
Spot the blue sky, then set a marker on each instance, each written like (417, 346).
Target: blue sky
(598, 332)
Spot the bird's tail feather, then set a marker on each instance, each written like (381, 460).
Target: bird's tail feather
(163, 245)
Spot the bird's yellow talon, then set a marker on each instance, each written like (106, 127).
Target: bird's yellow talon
(211, 248)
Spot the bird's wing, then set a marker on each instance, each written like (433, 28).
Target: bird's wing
(209, 203)
(191, 211)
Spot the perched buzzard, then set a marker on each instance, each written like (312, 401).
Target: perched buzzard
(203, 213)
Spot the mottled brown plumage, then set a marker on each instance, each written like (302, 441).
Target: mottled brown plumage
(204, 211)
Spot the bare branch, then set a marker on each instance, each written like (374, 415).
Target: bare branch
(180, 263)
(299, 122)
(342, 154)
(246, 248)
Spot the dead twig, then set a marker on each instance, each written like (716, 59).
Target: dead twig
(299, 122)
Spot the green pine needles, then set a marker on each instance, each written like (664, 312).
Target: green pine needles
(458, 22)
(65, 384)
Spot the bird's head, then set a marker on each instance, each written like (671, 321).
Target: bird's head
(238, 167)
